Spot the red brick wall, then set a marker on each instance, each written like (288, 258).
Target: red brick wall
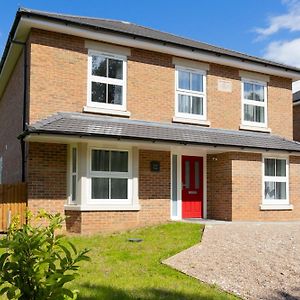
(296, 122)
(154, 198)
(219, 186)
(11, 111)
(59, 83)
(47, 177)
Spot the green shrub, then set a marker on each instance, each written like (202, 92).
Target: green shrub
(37, 262)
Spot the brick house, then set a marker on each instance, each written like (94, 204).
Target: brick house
(118, 125)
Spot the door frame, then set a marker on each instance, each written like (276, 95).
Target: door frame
(184, 151)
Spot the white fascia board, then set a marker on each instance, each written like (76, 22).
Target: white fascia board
(26, 23)
(158, 145)
(137, 42)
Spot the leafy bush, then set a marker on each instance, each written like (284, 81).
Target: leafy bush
(37, 262)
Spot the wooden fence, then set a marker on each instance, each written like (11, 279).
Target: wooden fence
(13, 202)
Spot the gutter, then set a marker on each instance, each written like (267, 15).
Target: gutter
(31, 130)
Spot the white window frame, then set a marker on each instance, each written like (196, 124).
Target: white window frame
(109, 174)
(100, 79)
(190, 93)
(285, 179)
(71, 201)
(255, 103)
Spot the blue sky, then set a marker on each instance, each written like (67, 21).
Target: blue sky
(265, 28)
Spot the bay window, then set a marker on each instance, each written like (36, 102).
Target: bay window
(110, 176)
(275, 181)
(190, 93)
(254, 103)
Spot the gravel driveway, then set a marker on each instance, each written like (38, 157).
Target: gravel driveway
(252, 260)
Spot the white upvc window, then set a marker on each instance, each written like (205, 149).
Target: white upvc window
(275, 181)
(254, 103)
(110, 176)
(106, 81)
(190, 94)
(73, 174)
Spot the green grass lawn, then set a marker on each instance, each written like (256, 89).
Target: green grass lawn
(123, 270)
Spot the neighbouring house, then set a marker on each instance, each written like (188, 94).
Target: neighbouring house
(296, 115)
(118, 125)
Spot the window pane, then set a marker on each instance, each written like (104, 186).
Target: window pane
(184, 103)
(98, 92)
(115, 68)
(269, 190)
(119, 188)
(197, 82)
(74, 163)
(100, 187)
(197, 105)
(248, 91)
(74, 187)
(184, 80)
(280, 190)
(119, 161)
(187, 174)
(100, 160)
(197, 177)
(259, 92)
(254, 113)
(115, 94)
(269, 167)
(280, 167)
(99, 66)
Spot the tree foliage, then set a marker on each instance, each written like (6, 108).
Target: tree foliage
(37, 262)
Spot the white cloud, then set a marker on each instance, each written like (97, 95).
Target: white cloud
(287, 52)
(289, 21)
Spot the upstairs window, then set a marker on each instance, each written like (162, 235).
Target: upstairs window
(254, 103)
(107, 81)
(191, 93)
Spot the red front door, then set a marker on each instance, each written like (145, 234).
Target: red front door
(192, 186)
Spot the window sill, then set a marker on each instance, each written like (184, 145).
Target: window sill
(190, 121)
(276, 207)
(254, 128)
(105, 111)
(91, 207)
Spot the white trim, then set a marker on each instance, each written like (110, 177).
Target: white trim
(276, 207)
(90, 207)
(108, 48)
(26, 23)
(187, 63)
(254, 76)
(109, 174)
(254, 103)
(191, 121)
(275, 202)
(182, 151)
(112, 112)
(106, 80)
(253, 128)
(190, 116)
(158, 145)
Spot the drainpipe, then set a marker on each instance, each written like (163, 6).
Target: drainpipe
(24, 45)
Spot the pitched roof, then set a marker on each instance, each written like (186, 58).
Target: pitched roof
(127, 28)
(81, 124)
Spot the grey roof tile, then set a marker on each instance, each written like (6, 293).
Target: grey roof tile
(145, 32)
(81, 124)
